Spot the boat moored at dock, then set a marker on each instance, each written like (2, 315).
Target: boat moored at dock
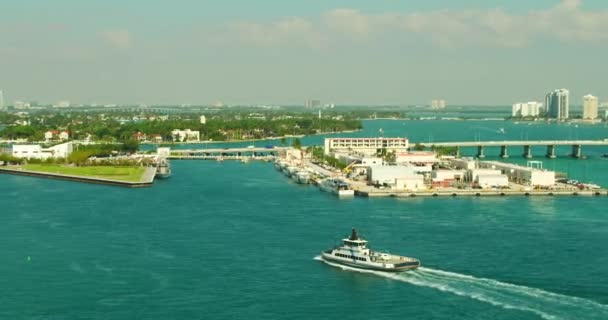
(163, 169)
(336, 186)
(355, 253)
(301, 176)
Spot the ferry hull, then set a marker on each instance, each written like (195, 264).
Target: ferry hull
(368, 266)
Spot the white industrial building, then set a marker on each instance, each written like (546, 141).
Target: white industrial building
(35, 151)
(413, 182)
(492, 181)
(522, 175)
(388, 174)
(464, 163)
(365, 146)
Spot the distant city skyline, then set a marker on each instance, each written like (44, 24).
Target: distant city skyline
(271, 52)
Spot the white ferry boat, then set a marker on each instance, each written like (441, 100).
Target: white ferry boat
(355, 253)
(336, 186)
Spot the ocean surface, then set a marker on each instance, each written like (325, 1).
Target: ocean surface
(241, 241)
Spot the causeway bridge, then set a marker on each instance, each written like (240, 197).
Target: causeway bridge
(577, 146)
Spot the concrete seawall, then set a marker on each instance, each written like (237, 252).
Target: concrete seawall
(146, 181)
(481, 193)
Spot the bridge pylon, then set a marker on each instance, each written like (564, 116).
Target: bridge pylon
(527, 152)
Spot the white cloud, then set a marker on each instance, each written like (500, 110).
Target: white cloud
(565, 22)
(118, 38)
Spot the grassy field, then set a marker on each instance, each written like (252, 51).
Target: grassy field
(131, 174)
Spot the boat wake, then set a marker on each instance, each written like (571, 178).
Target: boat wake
(547, 305)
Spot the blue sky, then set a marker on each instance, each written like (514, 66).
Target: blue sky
(275, 52)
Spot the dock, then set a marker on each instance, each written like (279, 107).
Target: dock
(478, 193)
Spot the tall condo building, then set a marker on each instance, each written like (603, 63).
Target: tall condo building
(438, 104)
(558, 104)
(527, 109)
(590, 104)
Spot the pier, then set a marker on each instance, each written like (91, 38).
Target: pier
(577, 146)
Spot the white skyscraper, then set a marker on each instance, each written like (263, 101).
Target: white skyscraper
(526, 109)
(590, 104)
(438, 104)
(558, 104)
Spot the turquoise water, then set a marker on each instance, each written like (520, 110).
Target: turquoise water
(238, 241)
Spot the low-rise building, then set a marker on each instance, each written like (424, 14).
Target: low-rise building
(64, 135)
(472, 174)
(528, 175)
(492, 181)
(413, 182)
(463, 163)
(34, 151)
(388, 174)
(365, 146)
(416, 157)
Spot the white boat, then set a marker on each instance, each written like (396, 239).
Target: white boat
(290, 170)
(163, 169)
(337, 186)
(355, 253)
(279, 164)
(301, 176)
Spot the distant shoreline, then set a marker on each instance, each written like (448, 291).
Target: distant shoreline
(251, 140)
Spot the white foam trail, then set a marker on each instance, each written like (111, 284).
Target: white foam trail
(547, 305)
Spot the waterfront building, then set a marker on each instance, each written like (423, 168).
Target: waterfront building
(526, 109)
(441, 176)
(365, 146)
(35, 151)
(412, 182)
(185, 135)
(558, 104)
(530, 176)
(438, 104)
(388, 174)
(590, 104)
(492, 181)
(203, 119)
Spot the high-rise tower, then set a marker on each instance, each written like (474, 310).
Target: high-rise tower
(558, 104)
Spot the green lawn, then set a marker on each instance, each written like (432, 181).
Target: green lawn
(131, 174)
